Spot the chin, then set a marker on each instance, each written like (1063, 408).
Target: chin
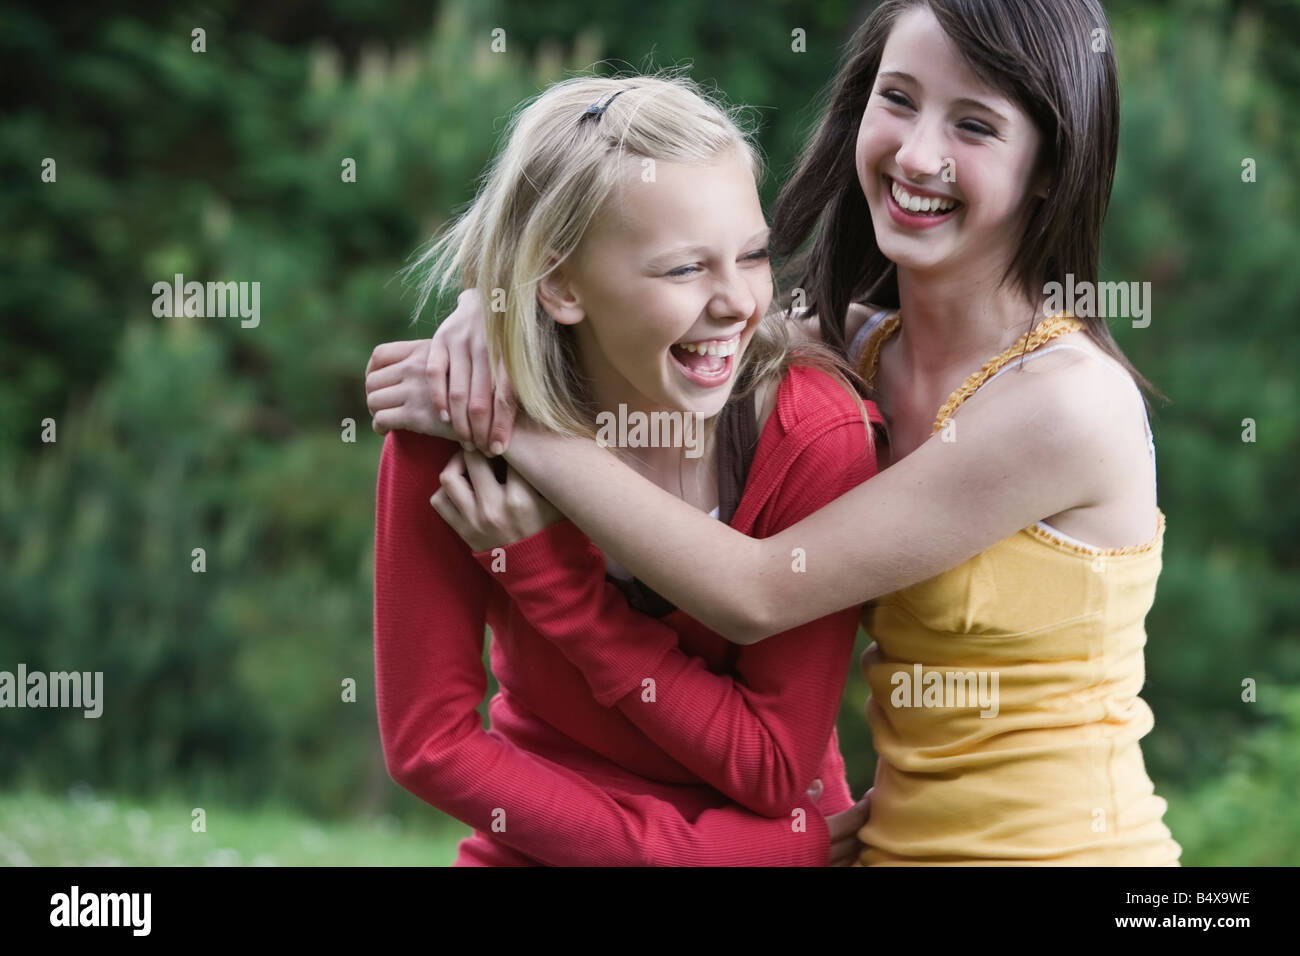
(712, 409)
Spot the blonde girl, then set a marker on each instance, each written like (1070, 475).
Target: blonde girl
(620, 236)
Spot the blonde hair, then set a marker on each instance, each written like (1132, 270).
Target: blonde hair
(537, 199)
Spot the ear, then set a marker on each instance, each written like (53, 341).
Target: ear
(558, 296)
(1043, 184)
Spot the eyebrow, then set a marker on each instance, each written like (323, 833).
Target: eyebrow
(965, 101)
(671, 255)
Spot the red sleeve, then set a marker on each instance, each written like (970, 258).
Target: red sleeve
(760, 737)
(430, 608)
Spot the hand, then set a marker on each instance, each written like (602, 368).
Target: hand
(844, 827)
(395, 390)
(484, 512)
(460, 380)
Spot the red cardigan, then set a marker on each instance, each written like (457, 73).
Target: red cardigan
(729, 756)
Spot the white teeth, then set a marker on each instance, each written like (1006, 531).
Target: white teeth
(912, 203)
(712, 348)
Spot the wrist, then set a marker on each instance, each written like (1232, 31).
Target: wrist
(532, 447)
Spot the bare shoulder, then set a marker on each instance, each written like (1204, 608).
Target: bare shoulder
(1083, 376)
(1078, 391)
(857, 317)
(1075, 413)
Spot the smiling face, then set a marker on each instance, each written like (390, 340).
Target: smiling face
(947, 164)
(667, 286)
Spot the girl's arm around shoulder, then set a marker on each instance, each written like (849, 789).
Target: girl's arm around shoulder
(775, 715)
(1023, 448)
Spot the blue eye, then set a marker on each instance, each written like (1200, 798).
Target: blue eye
(683, 271)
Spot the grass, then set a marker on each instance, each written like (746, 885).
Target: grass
(38, 829)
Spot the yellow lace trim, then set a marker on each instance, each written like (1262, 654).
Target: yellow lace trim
(871, 354)
(1091, 552)
(1045, 331)
(1048, 329)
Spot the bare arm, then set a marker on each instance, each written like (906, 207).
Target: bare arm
(1022, 454)
(1025, 449)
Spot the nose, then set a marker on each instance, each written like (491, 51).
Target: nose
(733, 297)
(920, 155)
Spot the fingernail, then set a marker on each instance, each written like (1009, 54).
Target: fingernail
(497, 448)
(444, 415)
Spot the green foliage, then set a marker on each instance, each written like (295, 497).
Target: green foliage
(1245, 812)
(182, 433)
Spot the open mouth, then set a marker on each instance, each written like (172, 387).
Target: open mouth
(708, 362)
(919, 209)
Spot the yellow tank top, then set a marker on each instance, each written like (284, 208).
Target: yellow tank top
(1004, 696)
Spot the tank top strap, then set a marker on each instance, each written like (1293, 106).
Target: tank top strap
(1050, 328)
(873, 334)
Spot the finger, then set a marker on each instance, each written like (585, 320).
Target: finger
(490, 494)
(390, 397)
(383, 421)
(435, 373)
(480, 405)
(449, 513)
(390, 353)
(519, 493)
(503, 413)
(862, 809)
(843, 847)
(843, 860)
(525, 503)
(848, 855)
(459, 490)
(383, 377)
(458, 388)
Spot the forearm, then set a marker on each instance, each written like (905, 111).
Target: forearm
(558, 817)
(941, 505)
(622, 512)
(760, 745)
(759, 737)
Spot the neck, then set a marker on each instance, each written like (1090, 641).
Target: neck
(950, 322)
(669, 467)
